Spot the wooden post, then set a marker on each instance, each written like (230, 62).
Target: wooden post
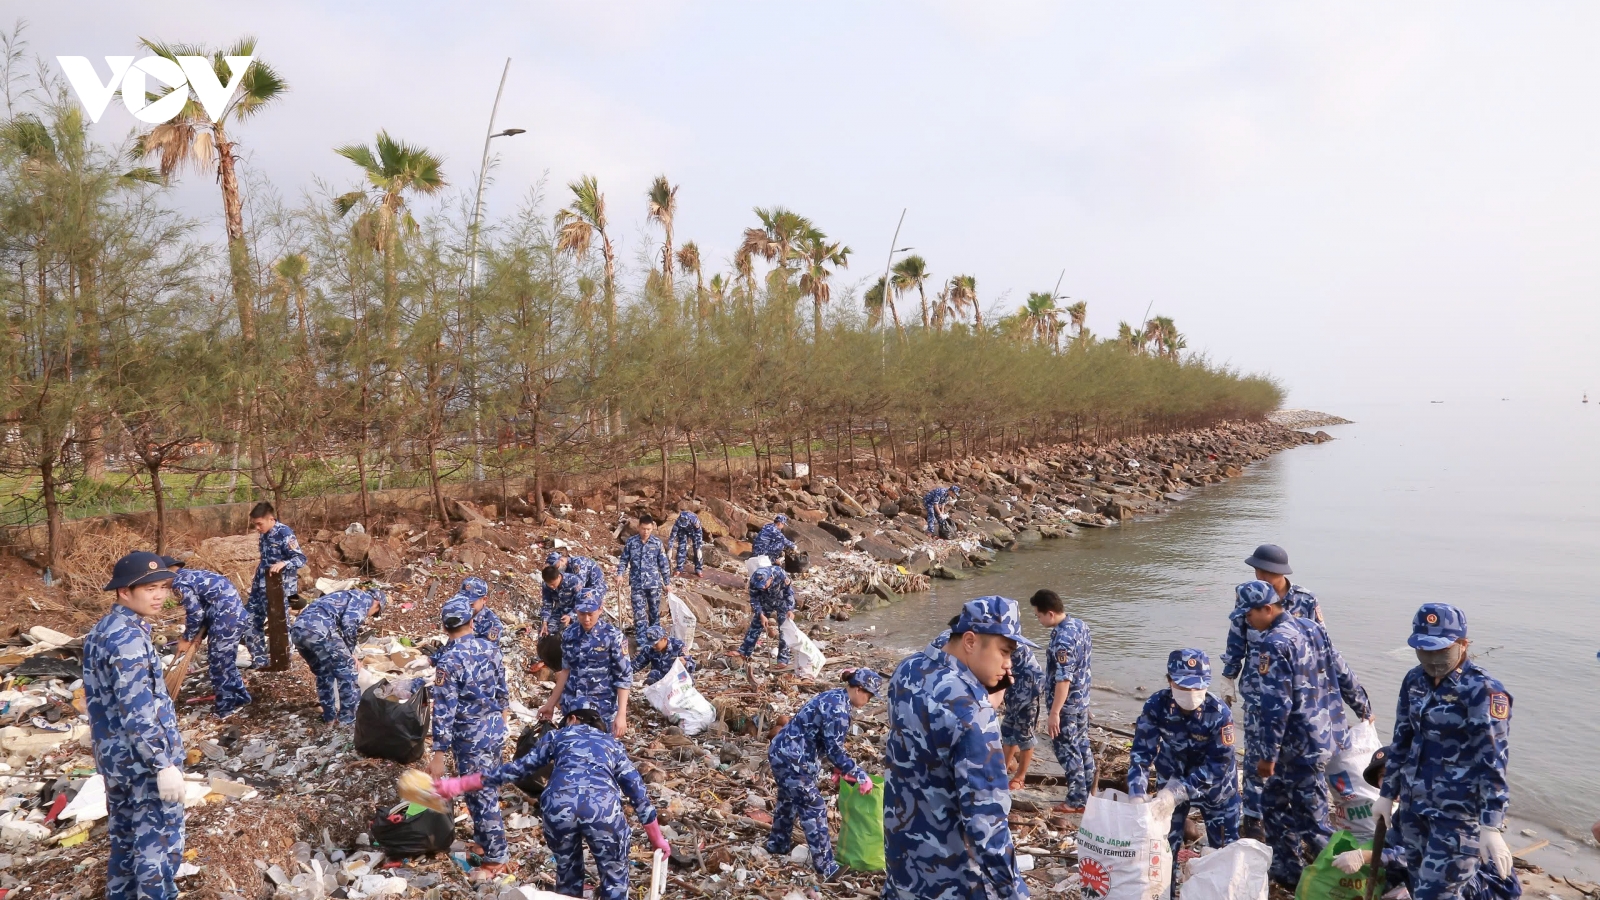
(277, 624)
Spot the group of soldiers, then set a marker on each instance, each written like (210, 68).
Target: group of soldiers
(962, 712)
(963, 715)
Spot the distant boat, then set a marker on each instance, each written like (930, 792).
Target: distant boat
(1435, 401)
(1586, 398)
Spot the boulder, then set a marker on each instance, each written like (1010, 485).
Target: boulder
(462, 511)
(840, 532)
(889, 509)
(735, 518)
(381, 558)
(732, 546)
(811, 539)
(881, 550)
(353, 547)
(233, 549)
(697, 604)
(467, 531)
(809, 516)
(711, 525)
(846, 504)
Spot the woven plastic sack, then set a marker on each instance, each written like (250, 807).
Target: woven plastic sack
(1323, 881)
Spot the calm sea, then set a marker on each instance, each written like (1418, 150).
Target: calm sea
(1491, 506)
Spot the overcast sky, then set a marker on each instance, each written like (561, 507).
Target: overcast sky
(1366, 201)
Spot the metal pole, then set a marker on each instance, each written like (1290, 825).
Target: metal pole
(888, 297)
(472, 284)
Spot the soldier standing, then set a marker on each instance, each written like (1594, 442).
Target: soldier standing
(595, 669)
(137, 748)
(1067, 676)
(280, 552)
(469, 707)
(644, 560)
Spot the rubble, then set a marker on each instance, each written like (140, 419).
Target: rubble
(282, 806)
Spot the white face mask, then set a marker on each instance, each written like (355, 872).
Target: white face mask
(1188, 700)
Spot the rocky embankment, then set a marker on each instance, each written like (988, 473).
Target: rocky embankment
(282, 807)
(1305, 418)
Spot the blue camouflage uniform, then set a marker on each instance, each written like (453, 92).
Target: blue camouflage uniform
(580, 576)
(772, 595)
(1297, 602)
(469, 702)
(686, 531)
(325, 633)
(1295, 718)
(947, 798)
(1068, 660)
(932, 500)
(135, 735)
(1193, 747)
(645, 563)
(597, 667)
(770, 541)
(210, 601)
(1020, 714)
(1447, 769)
(817, 730)
(657, 663)
(277, 545)
(583, 804)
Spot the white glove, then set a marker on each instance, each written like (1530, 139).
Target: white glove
(1351, 861)
(169, 782)
(1174, 793)
(1230, 690)
(1493, 850)
(1383, 811)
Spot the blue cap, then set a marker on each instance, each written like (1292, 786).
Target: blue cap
(552, 558)
(138, 567)
(457, 612)
(866, 679)
(992, 615)
(588, 602)
(780, 518)
(572, 706)
(378, 596)
(474, 589)
(1189, 668)
(955, 488)
(654, 633)
(1437, 626)
(1270, 558)
(1254, 595)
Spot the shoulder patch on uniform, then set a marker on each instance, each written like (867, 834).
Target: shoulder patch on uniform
(1263, 663)
(294, 543)
(1499, 705)
(1063, 655)
(440, 676)
(1226, 735)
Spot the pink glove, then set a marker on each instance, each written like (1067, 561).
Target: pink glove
(864, 786)
(455, 787)
(653, 829)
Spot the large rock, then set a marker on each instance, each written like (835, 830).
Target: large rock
(467, 531)
(462, 511)
(711, 525)
(697, 604)
(881, 550)
(235, 548)
(846, 504)
(353, 547)
(735, 518)
(382, 558)
(810, 538)
(889, 509)
(809, 516)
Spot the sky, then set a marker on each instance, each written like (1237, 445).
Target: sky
(1367, 202)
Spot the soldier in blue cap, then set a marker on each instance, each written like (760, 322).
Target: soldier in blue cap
(211, 602)
(325, 633)
(657, 654)
(1186, 736)
(1271, 564)
(946, 800)
(687, 532)
(485, 623)
(771, 602)
(280, 552)
(1019, 714)
(469, 708)
(582, 803)
(936, 505)
(817, 730)
(770, 541)
(1067, 680)
(566, 578)
(644, 559)
(1294, 722)
(594, 668)
(1444, 786)
(135, 735)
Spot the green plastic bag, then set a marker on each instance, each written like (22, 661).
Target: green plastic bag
(1322, 881)
(861, 834)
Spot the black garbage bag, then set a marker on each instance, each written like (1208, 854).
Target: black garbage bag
(947, 529)
(795, 562)
(389, 729)
(400, 835)
(534, 783)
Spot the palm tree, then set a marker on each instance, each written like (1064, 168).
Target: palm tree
(716, 290)
(816, 254)
(291, 272)
(875, 300)
(576, 227)
(688, 257)
(1042, 317)
(775, 240)
(964, 293)
(1127, 336)
(393, 169)
(662, 207)
(913, 272)
(193, 139)
(1163, 333)
(1076, 314)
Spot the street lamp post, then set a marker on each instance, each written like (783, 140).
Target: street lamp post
(472, 276)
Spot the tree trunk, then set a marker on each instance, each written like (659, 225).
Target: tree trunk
(161, 505)
(233, 220)
(665, 490)
(923, 294)
(52, 511)
(727, 462)
(436, 484)
(694, 466)
(816, 315)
